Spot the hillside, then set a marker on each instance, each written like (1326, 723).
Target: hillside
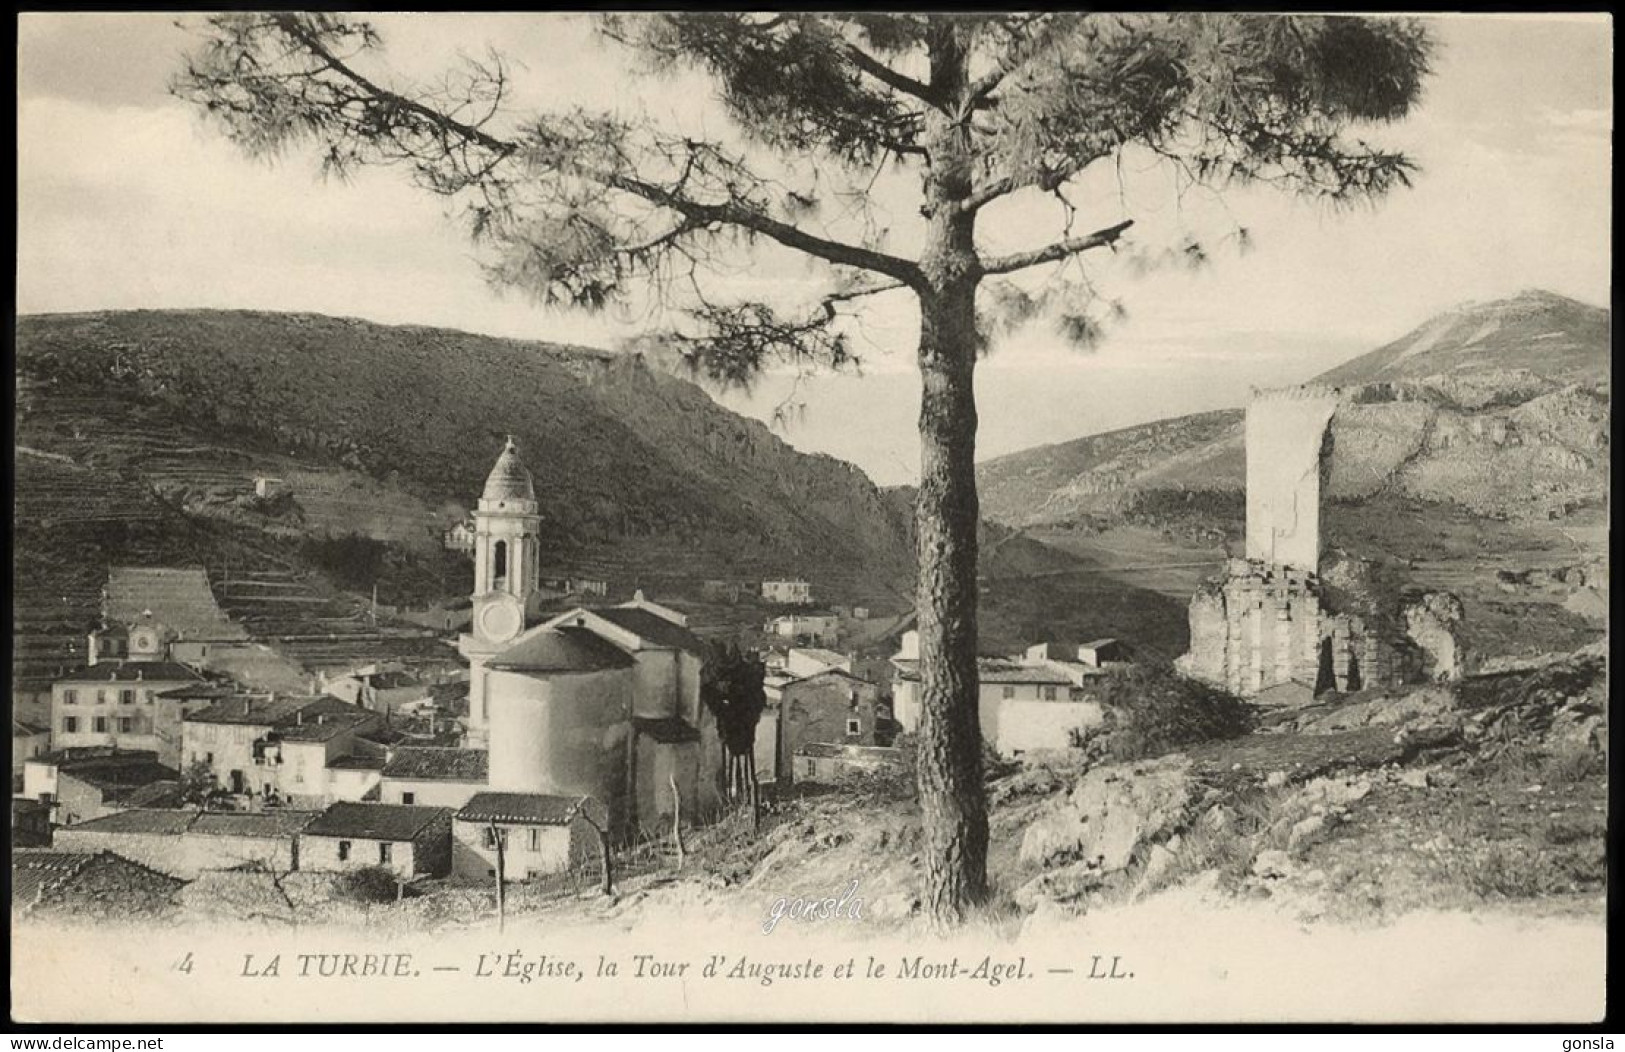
(140, 435)
(1500, 408)
(1475, 448)
(1546, 334)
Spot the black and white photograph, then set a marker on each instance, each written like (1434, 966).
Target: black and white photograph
(905, 518)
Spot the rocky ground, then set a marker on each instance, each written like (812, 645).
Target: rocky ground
(1487, 794)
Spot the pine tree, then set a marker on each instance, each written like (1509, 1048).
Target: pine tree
(586, 209)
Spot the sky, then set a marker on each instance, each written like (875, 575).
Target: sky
(126, 199)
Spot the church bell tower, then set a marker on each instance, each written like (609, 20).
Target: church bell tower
(507, 575)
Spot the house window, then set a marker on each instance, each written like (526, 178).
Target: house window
(70, 725)
(384, 851)
(70, 697)
(1009, 692)
(854, 727)
(490, 838)
(208, 758)
(146, 696)
(408, 798)
(125, 725)
(344, 851)
(535, 839)
(101, 697)
(1049, 693)
(101, 724)
(126, 697)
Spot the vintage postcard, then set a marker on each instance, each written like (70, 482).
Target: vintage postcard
(1025, 517)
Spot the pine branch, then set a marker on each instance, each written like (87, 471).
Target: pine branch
(900, 82)
(1103, 238)
(696, 213)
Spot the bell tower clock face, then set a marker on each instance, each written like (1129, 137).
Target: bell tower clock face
(501, 617)
(144, 641)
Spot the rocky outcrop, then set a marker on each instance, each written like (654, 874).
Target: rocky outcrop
(1110, 814)
(1431, 621)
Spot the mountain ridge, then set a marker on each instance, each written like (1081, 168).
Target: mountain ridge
(1498, 406)
(635, 468)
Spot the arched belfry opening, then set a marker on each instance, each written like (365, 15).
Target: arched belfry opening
(499, 565)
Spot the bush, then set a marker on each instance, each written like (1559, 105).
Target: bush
(1151, 710)
(373, 884)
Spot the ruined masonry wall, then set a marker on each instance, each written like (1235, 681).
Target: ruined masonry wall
(1265, 626)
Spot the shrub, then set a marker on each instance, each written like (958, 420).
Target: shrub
(1151, 710)
(372, 884)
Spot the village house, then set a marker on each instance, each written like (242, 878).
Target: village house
(459, 536)
(1103, 653)
(829, 707)
(296, 758)
(800, 662)
(383, 687)
(536, 834)
(434, 777)
(1033, 702)
(83, 887)
(408, 841)
(276, 748)
(570, 705)
(185, 843)
(356, 777)
(124, 703)
(27, 742)
(815, 629)
(87, 782)
(787, 592)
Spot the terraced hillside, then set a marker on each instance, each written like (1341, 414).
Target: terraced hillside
(387, 432)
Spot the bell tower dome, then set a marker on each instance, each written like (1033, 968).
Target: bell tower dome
(507, 555)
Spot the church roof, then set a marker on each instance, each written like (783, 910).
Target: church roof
(565, 649)
(509, 478)
(651, 627)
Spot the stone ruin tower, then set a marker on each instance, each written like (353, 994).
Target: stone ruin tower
(1290, 621)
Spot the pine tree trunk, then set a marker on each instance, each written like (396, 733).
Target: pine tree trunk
(952, 798)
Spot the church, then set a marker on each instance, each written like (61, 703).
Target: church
(594, 701)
